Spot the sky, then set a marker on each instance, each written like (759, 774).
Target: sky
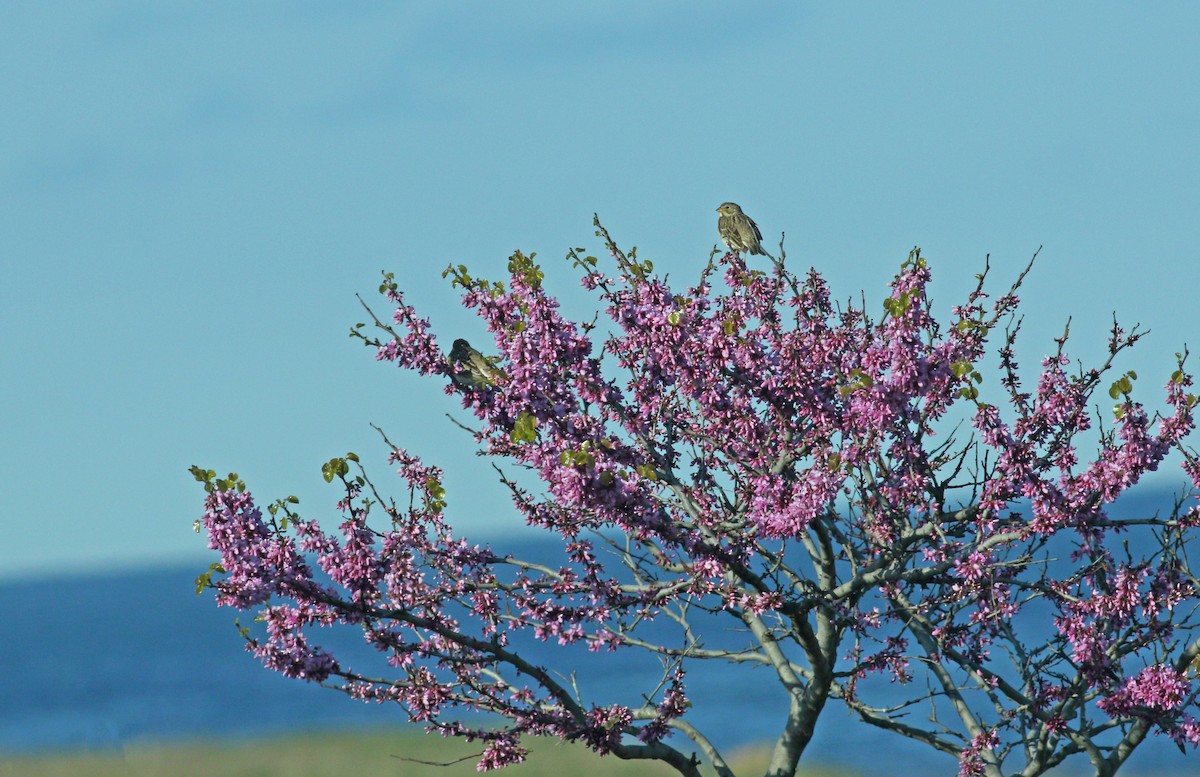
(192, 194)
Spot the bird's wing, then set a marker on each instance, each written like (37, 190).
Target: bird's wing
(749, 230)
(484, 367)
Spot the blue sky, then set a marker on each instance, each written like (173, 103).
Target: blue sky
(191, 194)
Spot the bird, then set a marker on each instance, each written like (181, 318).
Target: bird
(738, 230)
(476, 371)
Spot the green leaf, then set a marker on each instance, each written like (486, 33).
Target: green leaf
(524, 429)
(205, 579)
(581, 459)
(435, 495)
(898, 306)
(230, 483)
(647, 471)
(335, 467)
(862, 379)
(673, 318)
(522, 266)
(204, 476)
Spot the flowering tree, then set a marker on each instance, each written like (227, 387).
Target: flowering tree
(839, 487)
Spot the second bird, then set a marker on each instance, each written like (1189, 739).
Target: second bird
(477, 371)
(738, 230)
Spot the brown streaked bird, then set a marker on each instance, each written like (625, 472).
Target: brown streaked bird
(477, 372)
(738, 230)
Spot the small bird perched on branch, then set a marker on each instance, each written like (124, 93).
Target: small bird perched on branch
(738, 230)
(477, 371)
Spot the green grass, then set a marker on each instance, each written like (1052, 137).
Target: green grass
(373, 754)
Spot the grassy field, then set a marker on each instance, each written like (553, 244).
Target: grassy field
(378, 754)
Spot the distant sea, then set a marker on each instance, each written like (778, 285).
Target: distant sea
(103, 661)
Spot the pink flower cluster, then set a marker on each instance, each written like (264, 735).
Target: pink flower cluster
(1155, 689)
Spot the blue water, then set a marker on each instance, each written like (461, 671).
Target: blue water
(99, 662)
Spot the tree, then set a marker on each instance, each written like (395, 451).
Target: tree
(843, 488)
